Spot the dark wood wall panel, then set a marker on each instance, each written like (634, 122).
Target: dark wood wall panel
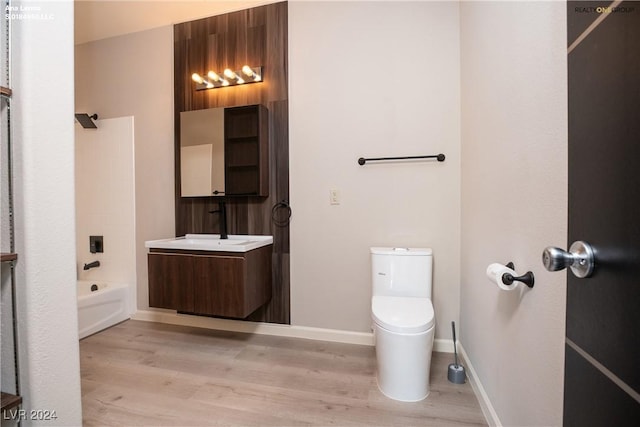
(257, 37)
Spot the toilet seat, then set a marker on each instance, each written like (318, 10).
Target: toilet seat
(403, 314)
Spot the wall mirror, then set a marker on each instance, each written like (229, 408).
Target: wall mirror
(202, 152)
(224, 152)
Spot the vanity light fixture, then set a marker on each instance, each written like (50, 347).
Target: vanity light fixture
(229, 77)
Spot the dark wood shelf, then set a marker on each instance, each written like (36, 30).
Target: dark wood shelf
(6, 257)
(246, 150)
(9, 400)
(240, 139)
(247, 166)
(5, 91)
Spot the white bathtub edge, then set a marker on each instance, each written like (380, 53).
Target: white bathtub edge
(101, 309)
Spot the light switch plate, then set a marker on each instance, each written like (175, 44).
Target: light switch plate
(334, 196)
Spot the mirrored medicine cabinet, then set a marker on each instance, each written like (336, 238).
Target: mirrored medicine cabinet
(224, 152)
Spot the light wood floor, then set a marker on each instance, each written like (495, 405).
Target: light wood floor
(141, 373)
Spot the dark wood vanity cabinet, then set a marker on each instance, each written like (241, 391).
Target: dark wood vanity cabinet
(226, 284)
(169, 274)
(246, 151)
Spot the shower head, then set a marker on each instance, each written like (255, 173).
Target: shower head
(85, 120)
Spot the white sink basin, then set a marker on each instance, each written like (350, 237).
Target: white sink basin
(212, 242)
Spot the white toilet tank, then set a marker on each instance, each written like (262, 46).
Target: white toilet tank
(402, 271)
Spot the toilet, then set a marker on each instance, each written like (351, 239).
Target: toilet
(403, 320)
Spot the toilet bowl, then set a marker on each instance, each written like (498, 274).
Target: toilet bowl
(403, 321)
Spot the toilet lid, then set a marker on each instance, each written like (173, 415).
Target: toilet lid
(403, 314)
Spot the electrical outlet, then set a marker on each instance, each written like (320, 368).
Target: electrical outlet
(334, 197)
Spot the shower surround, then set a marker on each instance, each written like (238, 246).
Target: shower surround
(105, 202)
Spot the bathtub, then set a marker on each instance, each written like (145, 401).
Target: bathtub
(101, 308)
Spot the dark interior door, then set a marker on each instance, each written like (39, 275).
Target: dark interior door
(602, 352)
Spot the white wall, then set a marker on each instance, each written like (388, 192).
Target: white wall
(105, 201)
(371, 79)
(42, 125)
(514, 202)
(132, 75)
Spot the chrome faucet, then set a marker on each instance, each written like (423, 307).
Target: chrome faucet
(222, 210)
(91, 265)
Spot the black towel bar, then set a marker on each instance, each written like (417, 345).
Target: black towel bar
(362, 160)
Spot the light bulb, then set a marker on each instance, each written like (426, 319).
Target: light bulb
(248, 71)
(196, 78)
(230, 74)
(213, 76)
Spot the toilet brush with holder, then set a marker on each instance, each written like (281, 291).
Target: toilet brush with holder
(456, 373)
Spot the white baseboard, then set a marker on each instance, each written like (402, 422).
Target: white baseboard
(320, 334)
(485, 404)
(443, 345)
(306, 332)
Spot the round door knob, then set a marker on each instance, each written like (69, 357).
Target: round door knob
(580, 259)
(555, 259)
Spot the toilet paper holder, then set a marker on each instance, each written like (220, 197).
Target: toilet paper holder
(527, 278)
